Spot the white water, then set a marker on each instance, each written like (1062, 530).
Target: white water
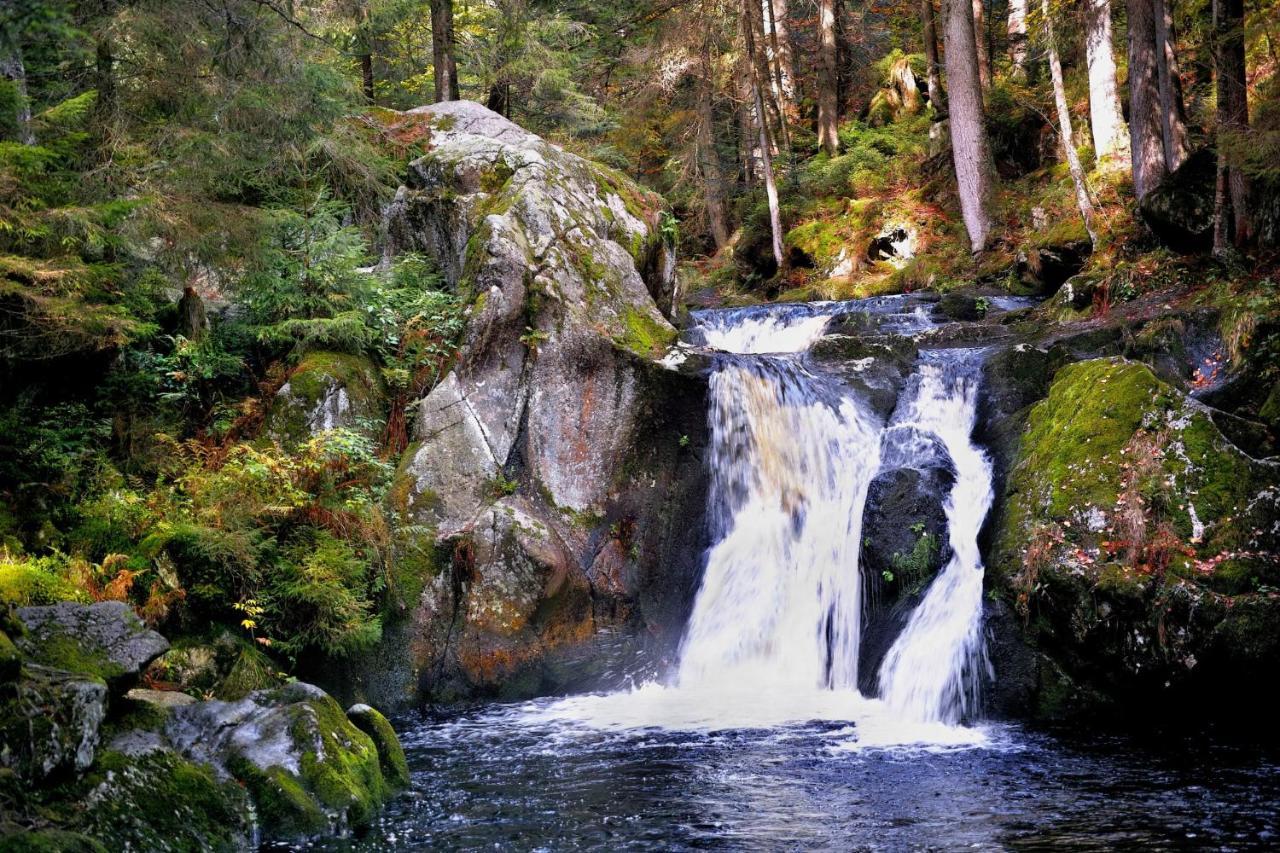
(776, 625)
(931, 672)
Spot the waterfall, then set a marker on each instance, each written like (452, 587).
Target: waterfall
(792, 455)
(931, 672)
(774, 633)
(791, 460)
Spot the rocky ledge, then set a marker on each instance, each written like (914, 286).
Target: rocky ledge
(88, 762)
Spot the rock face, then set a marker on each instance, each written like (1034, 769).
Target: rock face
(103, 641)
(1180, 208)
(1138, 545)
(49, 724)
(555, 464)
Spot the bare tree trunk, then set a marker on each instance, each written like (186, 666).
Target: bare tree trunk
(1173, 113)
(766, 160)
(708, 157)
(1106, 119)
(1064, 125)
(1018, 38)
(443, 58)
(980, 43)
(1146, 132)
(1233, 121)
(762, 75)
(12, 69)
(970, 149)
(783, 56)
(746, 125)
(828, 79)
(937, 95)
(364, 50)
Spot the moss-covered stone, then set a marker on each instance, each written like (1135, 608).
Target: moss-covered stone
(10, 659)
(643, 334)
(328, 390)
(160, 801)
(395, 768)
(1127, 520)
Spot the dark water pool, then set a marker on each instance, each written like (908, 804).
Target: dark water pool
(503, 779)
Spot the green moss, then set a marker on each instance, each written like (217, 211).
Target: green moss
(49, 841)
(912, 571)
(344, 774)
(496, 178)
(67, 653)
(10, 658)
(311, 382)
(251, 670)
(27, 581)
(161, 801)
(285, 809)
(642, 334)
(395, 768)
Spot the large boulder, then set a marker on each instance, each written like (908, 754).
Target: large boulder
(49, 723)
(1139, 546)
(550, 463)
(308, 769)
(327, 390)
(104, 641)
(1179, 210)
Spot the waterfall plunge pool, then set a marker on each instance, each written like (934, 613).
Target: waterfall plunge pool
(568, 775)
(759, 739)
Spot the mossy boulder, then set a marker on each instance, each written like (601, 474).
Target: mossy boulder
(1125, 519)
(328, 390)
(10, 659)
(395, 768)
(104, 641)
(1179, 210)
(50, 722)
(309, 771)
(160, 801)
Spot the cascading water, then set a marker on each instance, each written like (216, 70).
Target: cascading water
(791, 459)
(931, 672)
(774, 634)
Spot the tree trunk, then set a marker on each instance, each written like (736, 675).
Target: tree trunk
(746, 125)
(1106, 119)
(1233, 122)
(766, 160)
(1146, 134)
(980, 43)
(1064, 125)
(364, 50)
(12, 69)
(442, 51)
(762, 74)
(708, 158)
(499, 99)
(970, 149)
(1173, 113)
(783, 56)
(829, 80)
(1018, 38)
(937, 95)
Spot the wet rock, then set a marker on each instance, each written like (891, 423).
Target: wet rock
(905, 529)
(106, 640)
(327, 391)
(49, 723)
(395, 768)
(308, 769)
(1179, 210)
(875, 365)
(960, 306)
